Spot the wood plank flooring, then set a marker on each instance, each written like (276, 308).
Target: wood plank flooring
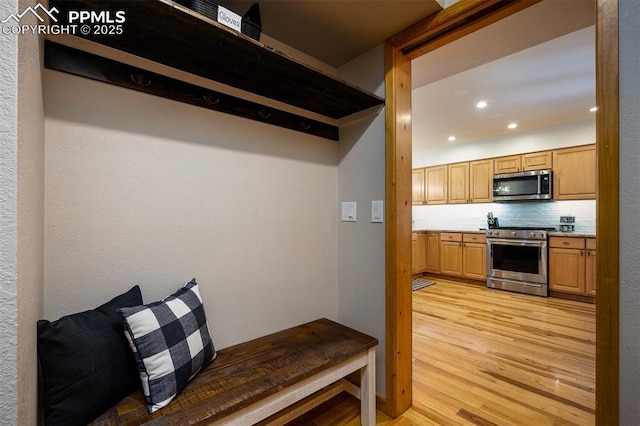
(491, 357)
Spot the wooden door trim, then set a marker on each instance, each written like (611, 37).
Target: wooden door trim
(451, 24)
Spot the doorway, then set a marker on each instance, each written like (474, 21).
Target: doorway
(457, 21)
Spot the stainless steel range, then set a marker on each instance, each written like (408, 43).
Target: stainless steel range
(517, 259)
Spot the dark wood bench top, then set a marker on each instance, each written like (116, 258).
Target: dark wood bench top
(246, 373)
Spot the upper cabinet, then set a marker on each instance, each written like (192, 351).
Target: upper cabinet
(417, 179)
(458, 183)
(523, 162)
(480, 178)
(574, 173)
(169, 34)
(435, 185)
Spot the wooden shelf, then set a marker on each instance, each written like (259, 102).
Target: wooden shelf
(170, 34)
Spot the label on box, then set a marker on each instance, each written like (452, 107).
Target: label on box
(229, 19)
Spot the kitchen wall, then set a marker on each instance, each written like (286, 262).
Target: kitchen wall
(629, 389)
(361, 244)
(144, 190)
(474, 216)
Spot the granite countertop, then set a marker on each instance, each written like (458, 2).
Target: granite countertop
(482, 231)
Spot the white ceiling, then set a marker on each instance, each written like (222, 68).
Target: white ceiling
(536, 68)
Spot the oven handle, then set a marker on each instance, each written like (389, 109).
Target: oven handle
(508, 242)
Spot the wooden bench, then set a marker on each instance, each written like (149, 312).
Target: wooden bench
(253, 381)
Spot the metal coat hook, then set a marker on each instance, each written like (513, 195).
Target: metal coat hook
(263, 113)
(140, 79)
(210, 99)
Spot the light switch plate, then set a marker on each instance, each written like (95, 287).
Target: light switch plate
(377, 211)
(349, 211)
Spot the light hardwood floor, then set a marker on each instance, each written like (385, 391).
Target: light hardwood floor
(491, 357)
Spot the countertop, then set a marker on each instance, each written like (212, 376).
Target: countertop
(482, 231)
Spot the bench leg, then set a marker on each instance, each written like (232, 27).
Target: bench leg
(368, 390)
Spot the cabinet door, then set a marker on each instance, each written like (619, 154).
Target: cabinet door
(537, 160)
(418, 252)
(509, 164)
(432, 258)
(418, 186)
(590, 273)
(474, 263)
(574, 173)
(567, 270)
(451, 258)
(435, 179)
(459, 183)
(480, 181)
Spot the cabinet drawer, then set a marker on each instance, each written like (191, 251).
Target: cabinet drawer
(566, 242)
(591, 243)
(451, 236)
(474, 238)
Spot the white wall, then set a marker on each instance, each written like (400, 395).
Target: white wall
(8, 219)
(361, 244)
(21, 219)
(629, 212)
(144, 190)
(560, 136)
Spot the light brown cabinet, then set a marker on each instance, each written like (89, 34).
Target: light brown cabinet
(474, 256)
(458, 183)
(432, 257)
(435, 185)
(572, 265)
(480, 181)
(463, 255)
(417, 178)
(590, 272)
(451, 253)
(574, 173)
(523, 162)
(417, 252)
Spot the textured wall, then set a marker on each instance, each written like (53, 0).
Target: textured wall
(144, 190)
(8, 219)
(361, 245)
(30, 218)
(629, 212)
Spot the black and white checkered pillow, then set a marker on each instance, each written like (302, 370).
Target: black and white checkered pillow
(170, 342)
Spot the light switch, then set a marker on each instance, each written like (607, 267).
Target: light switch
(349, 211)
(377, 211)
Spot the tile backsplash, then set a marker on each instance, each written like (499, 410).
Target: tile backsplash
(474, 216)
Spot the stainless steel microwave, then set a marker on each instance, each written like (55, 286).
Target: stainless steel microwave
(533, 185)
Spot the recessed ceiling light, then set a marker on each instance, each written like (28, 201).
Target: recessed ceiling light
(481, 104)
(512, 125)
(594, 109)
(451, 138)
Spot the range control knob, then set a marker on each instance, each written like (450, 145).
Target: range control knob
(532, 235)
(513, 233)
(541, 235)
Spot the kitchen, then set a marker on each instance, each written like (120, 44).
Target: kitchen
(510, 271)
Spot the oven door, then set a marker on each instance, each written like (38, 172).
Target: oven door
(521, 260)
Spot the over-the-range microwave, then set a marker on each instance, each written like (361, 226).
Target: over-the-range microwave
(532, 185)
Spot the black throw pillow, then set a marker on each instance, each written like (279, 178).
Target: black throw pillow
(87, 365)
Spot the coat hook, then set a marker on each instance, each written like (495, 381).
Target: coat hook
(210, 99)
(305, 125)
(263, 113)
(140, 79)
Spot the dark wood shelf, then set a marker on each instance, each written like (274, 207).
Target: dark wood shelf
(167, 33)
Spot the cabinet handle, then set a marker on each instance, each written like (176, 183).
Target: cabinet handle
(581, 252)
(566, 243)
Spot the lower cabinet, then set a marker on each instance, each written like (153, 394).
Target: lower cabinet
(432, 256)
(572, 265)
(417, 252)
(474, 256)
(463, 255)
